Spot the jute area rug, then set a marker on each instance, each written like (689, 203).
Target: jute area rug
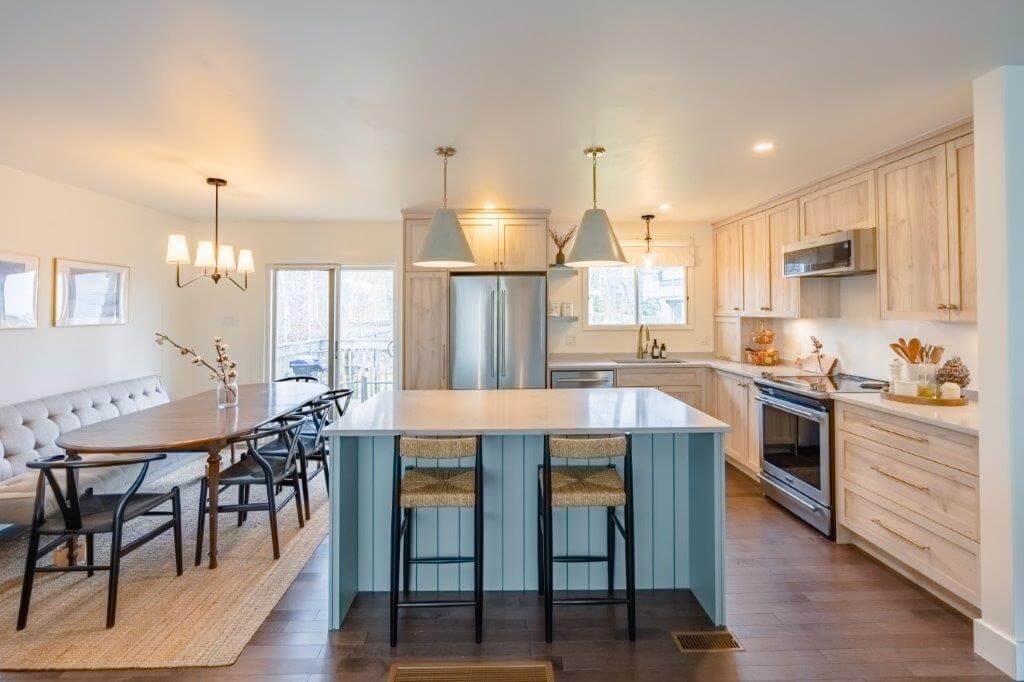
(202, 618)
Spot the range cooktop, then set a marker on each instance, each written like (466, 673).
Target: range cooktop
(822, 386)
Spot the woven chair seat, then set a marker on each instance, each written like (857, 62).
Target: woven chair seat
(440, 487)
(585, 447)
(596, 486)
(437, 448)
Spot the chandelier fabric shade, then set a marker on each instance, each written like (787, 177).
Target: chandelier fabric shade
(211, 255)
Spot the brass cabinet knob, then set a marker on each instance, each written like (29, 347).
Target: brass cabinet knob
(953, 306)
(735, 308)
(943, 306)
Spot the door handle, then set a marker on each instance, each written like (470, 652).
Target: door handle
(922, 488)
(897, 433)
(502, 358)
(494, 334)
(901, 536)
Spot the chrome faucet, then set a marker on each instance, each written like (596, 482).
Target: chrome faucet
(641, 345)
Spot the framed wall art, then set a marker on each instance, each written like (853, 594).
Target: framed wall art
(89, 294)
(19, 290)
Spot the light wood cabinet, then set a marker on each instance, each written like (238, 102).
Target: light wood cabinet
(425, 343)
(729, 270)
(688, 384)
(482, 235)
(963, 270)
(845, 205)
(727, 338)
(523, 244)
(913, 237)
(733, 404)
(691, 395)
(415, 235)
(756, 259)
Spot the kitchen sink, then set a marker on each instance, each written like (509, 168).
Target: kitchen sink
(632, 360)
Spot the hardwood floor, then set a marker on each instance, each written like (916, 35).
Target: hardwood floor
(802, 608)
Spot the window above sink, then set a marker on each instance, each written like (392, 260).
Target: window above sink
(623, 297)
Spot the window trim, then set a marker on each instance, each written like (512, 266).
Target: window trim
(585, 316)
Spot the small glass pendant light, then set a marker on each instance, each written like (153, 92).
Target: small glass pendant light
(446, 245)
(596, 243)
(650, 258)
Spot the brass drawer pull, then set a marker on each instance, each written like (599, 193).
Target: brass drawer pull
(922, 488)
(897, 433)
(901, 536)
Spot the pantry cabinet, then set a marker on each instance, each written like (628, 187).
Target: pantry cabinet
(729, 270)
(425, 344)
(913, 237)
(845, 205)
(756, 258)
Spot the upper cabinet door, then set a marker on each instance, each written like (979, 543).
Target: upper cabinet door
(913, 237)
(482, 235)
(728, 271)
(756, 266)
(524, 244)
(846, 205)
(415, 235)
(963, 270)
(783, 228)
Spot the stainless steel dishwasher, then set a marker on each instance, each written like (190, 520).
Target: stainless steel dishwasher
(591, 378)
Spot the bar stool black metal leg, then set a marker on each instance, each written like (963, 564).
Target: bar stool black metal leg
(201, 523)
(540, 533)
(630, 543)
(407, 516)
(396, 488)
(611, 551)
(548, 548)
(478, 541)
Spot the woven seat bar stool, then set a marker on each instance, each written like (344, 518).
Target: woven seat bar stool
(586, 486)
(433, 487)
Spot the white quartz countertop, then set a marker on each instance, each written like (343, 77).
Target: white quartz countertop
(523, 412)
(963, 419)
(585, 361)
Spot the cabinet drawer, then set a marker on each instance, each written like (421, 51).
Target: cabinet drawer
(954, 449)
(658, 376)
(938, 492)
(948, 558)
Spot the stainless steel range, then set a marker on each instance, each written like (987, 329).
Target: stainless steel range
(797, 439)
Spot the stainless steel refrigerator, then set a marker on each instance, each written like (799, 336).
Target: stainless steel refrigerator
(498, 331)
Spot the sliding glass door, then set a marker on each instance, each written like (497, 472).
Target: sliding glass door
(334, 324)
(366, 330)
(302, 321)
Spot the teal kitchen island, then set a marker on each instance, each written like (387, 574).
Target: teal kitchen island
(678, 478)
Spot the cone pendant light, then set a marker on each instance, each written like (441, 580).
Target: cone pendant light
(595, 244)
(446, 245)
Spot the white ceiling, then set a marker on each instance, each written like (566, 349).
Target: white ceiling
(331, 111)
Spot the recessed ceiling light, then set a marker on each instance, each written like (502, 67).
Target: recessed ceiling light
(666, 206)
(763, 147)
(489, 206)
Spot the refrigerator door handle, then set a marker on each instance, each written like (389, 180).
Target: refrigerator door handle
(503, 321)
(494, 333)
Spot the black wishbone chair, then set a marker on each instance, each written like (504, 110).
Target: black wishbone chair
(89, 514)
(255, 469)
(310, 437)
(316, 448)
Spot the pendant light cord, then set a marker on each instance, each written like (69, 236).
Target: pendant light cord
(444, 163)
(216, 228)
(594, 178)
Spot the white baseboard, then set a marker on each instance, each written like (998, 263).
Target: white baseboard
(999, 650)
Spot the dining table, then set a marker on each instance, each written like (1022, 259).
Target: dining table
(193, 424)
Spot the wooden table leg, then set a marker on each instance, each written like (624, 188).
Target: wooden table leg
(213, 481)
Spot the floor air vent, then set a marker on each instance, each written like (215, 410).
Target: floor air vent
(498, 671)
(695, 641)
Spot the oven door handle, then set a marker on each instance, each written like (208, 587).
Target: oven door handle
(789, 407)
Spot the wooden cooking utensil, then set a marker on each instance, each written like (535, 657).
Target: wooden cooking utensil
(914, 350)
(906, 349)
(937, 352)
(898, 350)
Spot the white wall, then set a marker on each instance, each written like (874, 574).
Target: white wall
(566, 288)
(209, 308)
(860, 338)
(48, 219)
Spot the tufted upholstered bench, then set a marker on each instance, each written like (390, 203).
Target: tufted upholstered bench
(29, 430)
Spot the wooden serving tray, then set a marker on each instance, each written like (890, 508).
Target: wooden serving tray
(918, 400)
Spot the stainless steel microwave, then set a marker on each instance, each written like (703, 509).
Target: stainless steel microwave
(848, 252)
